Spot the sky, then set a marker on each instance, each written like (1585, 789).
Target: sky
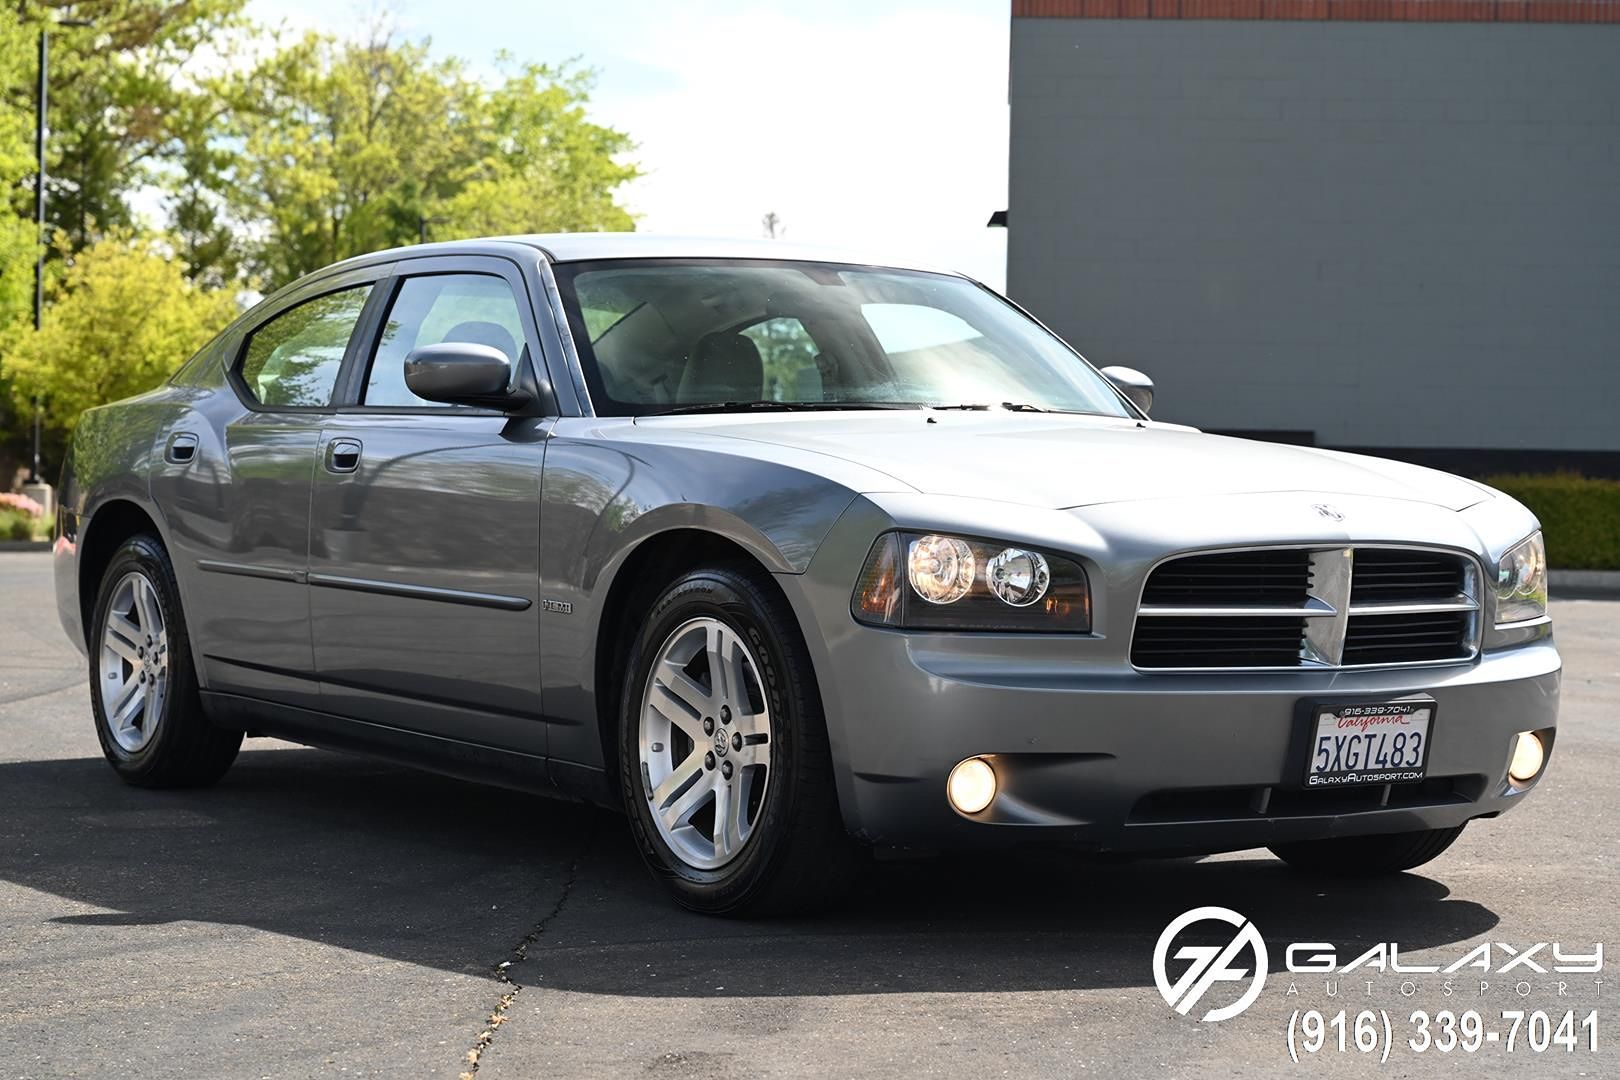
(879, 125)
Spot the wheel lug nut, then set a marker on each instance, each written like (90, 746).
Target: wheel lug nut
(725, 714)
(708, 760)
(736, 740)
(725, 769)
(708, 725)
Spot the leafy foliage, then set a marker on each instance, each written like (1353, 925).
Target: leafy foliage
(1580, 517)
(351, 147)
(265, 158)
(17, 233)
(117, 90)
(122, 318)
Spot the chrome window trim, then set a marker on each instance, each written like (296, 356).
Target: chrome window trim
(1327, 609)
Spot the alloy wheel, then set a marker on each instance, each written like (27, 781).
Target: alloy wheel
(705, 740)
(134, 663)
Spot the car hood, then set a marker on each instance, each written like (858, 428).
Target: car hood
(1065, 461)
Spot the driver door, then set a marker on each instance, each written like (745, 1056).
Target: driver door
(425, 526)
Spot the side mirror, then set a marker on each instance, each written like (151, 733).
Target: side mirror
(463, 373)
(1133, 384)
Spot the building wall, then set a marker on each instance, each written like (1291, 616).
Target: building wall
(1373, 234)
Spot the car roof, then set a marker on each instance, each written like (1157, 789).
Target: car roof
(585, 247)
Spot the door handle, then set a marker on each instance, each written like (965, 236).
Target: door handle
(343, 455)
(182, 447)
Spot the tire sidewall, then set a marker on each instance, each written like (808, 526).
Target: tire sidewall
(144, 554)
(731, 598)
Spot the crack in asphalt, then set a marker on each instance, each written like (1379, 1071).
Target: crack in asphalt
(519, 954)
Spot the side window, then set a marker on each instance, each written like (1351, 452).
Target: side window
(293, 359)
(788, 354)
(435, 308)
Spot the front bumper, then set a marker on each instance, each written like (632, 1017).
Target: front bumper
(1169, 762)
(1092, 753)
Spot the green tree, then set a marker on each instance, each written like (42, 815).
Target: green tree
(547, 166)
(351, 147)
(122, 318)
(116, 90)
(18, 245)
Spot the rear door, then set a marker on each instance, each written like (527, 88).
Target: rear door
(425, 530)
(235, 484)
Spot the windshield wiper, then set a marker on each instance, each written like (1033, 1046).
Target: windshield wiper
(780, 406)
(1009, 406)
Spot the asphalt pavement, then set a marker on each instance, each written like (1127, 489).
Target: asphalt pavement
(323, 915)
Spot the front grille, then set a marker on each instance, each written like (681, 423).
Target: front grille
(1308, 607)
(1382, 639)
(1280, 576)
(1396, 576)
(1218, 642)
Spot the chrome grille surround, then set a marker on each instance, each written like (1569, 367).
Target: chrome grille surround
(1327, 613)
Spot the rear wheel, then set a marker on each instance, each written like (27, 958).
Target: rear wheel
(723, 750)
(1367, 856)
(143, 689)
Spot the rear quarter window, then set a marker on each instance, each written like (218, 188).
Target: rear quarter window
(293, 360)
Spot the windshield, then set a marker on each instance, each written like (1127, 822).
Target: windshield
(659, 335)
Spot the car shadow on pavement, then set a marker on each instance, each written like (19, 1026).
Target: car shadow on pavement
(408, 866)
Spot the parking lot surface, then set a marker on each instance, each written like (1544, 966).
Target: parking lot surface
(322, 915)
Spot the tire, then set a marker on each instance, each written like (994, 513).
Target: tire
(165, 742)
(788, 850)
(1367, 856)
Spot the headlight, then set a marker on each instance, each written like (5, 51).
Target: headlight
(929, 581)
(1521, 582)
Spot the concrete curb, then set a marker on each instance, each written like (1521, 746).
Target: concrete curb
(25, 545)
(1584, 582)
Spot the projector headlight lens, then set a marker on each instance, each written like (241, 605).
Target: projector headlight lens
(930, 581)
(1017, 576)
(941, 568)
(1521, 582)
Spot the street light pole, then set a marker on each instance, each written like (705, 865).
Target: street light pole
(39, 183)
(41, 106)
(39, 219)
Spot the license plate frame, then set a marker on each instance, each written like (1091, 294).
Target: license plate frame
(1361, 748)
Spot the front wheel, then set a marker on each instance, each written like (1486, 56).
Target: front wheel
(1367, 856)
(724, 758)
(143, 689)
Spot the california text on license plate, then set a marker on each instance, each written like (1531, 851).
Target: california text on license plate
(1385, 743)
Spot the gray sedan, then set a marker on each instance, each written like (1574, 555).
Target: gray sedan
(790, 555)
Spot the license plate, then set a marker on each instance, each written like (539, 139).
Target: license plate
(1385, 743)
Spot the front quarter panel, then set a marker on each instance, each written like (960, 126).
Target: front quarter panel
(604, 496)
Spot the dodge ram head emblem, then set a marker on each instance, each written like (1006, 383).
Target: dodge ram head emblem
(1332, 513)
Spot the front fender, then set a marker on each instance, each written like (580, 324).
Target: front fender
(603, 499)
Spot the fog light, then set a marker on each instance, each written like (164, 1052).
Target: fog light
(1528, 757)
(972, 785)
